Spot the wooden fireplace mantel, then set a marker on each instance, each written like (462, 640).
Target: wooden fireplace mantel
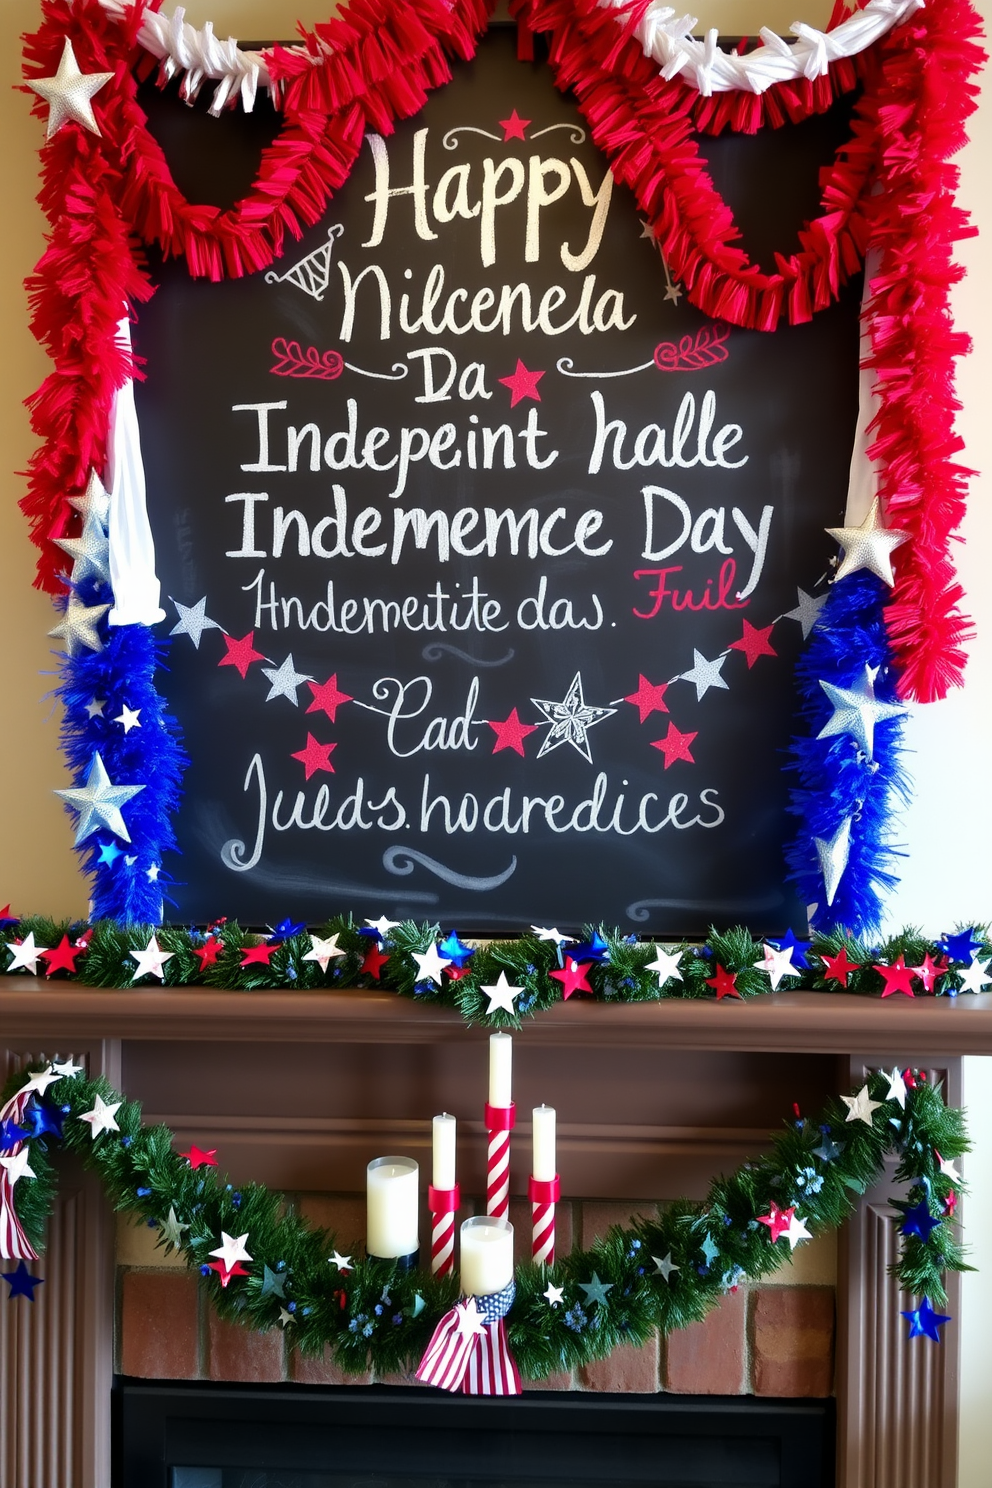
(781, 1022)
(298, 1088)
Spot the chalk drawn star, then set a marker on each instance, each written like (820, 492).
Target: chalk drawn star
(570, 720)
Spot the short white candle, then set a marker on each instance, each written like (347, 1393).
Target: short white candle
(445, 1127)
(487, 1255)
(393, 1201)
(543, 1160)
(500, 1070)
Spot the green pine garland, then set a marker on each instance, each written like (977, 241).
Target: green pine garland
(527, 961)
(376, 1316)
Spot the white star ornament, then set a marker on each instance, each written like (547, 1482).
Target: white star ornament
(501, 995)
(70, 93)
(869, 546)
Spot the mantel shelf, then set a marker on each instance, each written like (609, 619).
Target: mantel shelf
(798, 1022)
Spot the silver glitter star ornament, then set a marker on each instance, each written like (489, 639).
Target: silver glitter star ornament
(193, 621)
(94, 502)
(832, 853)
(857, 710)
(869, 546)
(90, 552)
(99, 802)
(70, 93)
(78, 626)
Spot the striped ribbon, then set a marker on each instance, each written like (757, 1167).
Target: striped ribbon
(14, 1244)
(443, 1204)
(469, 1353)
(499, 1123)
(543, 1197)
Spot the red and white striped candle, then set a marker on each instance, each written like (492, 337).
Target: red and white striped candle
(500, 1113)
(544, 1187)
(444, 1196)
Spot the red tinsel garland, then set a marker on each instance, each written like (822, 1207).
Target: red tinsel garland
(376, 62)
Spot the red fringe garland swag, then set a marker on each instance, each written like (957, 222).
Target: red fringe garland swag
(888, 193)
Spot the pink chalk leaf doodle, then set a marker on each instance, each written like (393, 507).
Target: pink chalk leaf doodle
(293, 361)
(693, 353)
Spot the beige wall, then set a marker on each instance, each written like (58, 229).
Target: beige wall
(947, 831)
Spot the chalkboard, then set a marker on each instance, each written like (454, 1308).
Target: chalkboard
(480, 484)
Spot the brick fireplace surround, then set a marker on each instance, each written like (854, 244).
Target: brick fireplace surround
(300, 1091)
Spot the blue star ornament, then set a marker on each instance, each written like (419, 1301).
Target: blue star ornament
(919, 1221)
(924, 1322)
(287, 928)
(962, 946)
(788, 942)
(595, 949)
(455, 950)
(710, 1251)
(44, 1118)
(11, 1134)
(595, 1289)
(21, 1282)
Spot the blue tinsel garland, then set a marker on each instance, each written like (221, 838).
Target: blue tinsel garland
(836, 781)
(125, 876)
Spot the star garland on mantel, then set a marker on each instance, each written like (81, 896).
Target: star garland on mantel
(495, 984)
(264, 1267)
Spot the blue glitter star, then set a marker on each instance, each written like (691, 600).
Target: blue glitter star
(962, 946)
(455, 950)
(919, 1221)
(21, 1282)
(924, 1322)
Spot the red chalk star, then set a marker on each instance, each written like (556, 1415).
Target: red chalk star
(572, 977)
(513, 127)
(898, 977)
(63, 957)
(928, 971)
(209, 952)
(649, 697)
(725, 983)
(675, 746)
(259, 955)
(778, 1220)
(241, 653)
(197, 1158)
(315, 756)
(374, 961)
(511, 733)
(522, 384)
(327, 697)
(838, 968)
(754, 643)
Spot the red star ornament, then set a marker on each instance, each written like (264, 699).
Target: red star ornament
(328, 697)
(950, 1204)
(513, 127)
(898, 977)
(241, 653)
(572, 977)
(197, 1158)
(511, 733)
(522, 384)
(374, 961)
(649, 697)
(928, 971)
(754, 643)
(455, 972)
(725, 983)
(209, 952)
(63, 957)
(675, 746)
(778, 1220)
(225, 1275)
(315, 756)
(838, 968)
(260, 955)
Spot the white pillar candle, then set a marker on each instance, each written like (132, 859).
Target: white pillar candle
(500, 1069)
(444, 1151)
(543, 1160)
(486, 1255)
(393, 1203)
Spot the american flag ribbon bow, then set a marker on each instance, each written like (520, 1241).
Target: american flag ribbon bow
(469, 1351)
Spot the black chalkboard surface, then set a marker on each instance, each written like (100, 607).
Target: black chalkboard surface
(469, 485)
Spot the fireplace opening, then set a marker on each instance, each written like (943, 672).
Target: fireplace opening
(215, 1436)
